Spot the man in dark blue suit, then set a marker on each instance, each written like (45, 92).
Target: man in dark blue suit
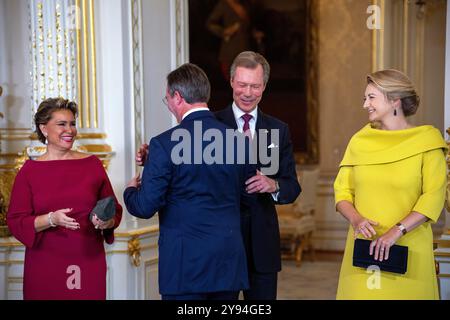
(249, 75)
(201, 251)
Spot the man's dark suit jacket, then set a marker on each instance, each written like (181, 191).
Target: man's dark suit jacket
(200, 246)
(263, 242)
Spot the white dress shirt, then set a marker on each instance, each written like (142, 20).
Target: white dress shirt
(252, 124)
(240, 122)
(194, 110)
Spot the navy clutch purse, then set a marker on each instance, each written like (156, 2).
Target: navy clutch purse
(105, 209)
(397, 262)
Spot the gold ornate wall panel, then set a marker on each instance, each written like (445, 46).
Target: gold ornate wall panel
(8, 171)
(63, 55)
(52, 50)
(86, 64)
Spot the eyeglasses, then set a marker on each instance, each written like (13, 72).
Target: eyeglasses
(164, 100)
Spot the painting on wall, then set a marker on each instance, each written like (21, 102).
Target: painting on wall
(285, 33)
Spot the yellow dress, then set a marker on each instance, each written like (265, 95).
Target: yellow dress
(387, 175)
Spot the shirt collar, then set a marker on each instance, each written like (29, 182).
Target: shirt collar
(194, 110)
(238, 112)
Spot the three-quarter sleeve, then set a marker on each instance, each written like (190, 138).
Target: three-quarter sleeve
(344, 188)
(106, 191)
(20, 217)
(434, 183)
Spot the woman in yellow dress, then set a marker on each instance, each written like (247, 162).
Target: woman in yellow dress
(390, 187)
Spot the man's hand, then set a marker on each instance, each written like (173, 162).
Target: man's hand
(141, 154)
(135, 181)
(260, 184)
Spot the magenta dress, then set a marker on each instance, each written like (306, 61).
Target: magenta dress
(61, 263)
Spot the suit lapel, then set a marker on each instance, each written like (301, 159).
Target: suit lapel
(260, 121)
(228, 118)
(263, 131)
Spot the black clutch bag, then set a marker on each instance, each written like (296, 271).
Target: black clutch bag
(105, 209)
(397, 262)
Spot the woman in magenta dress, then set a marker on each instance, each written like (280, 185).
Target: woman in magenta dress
(51, 200)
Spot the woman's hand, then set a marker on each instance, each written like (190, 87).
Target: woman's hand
(60, 218)
(382, 245)
(364, 226)
(100, 224)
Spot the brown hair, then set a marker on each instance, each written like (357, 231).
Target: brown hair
(396, 85)
(250, 60)
(46, 109)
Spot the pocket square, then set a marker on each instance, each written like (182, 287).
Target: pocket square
(272, 146)
(105, 209)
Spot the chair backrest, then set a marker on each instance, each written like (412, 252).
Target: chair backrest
(306, 202)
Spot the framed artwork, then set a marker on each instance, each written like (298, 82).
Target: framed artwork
(285, 32)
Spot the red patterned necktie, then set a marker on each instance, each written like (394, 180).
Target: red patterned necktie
(246, 129)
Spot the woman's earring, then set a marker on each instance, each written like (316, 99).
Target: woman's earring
(46, 141)
(395, 112)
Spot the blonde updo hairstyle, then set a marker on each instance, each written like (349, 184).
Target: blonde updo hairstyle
(396, 85)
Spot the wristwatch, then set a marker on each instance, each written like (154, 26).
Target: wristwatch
(402, 228)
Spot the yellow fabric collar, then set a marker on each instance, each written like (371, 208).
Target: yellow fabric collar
(373, 146)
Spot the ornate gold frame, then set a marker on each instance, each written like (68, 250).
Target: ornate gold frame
(311, 156)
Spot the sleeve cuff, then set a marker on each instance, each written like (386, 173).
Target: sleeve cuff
(342, 197)
(426, 212)
(275, 196)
